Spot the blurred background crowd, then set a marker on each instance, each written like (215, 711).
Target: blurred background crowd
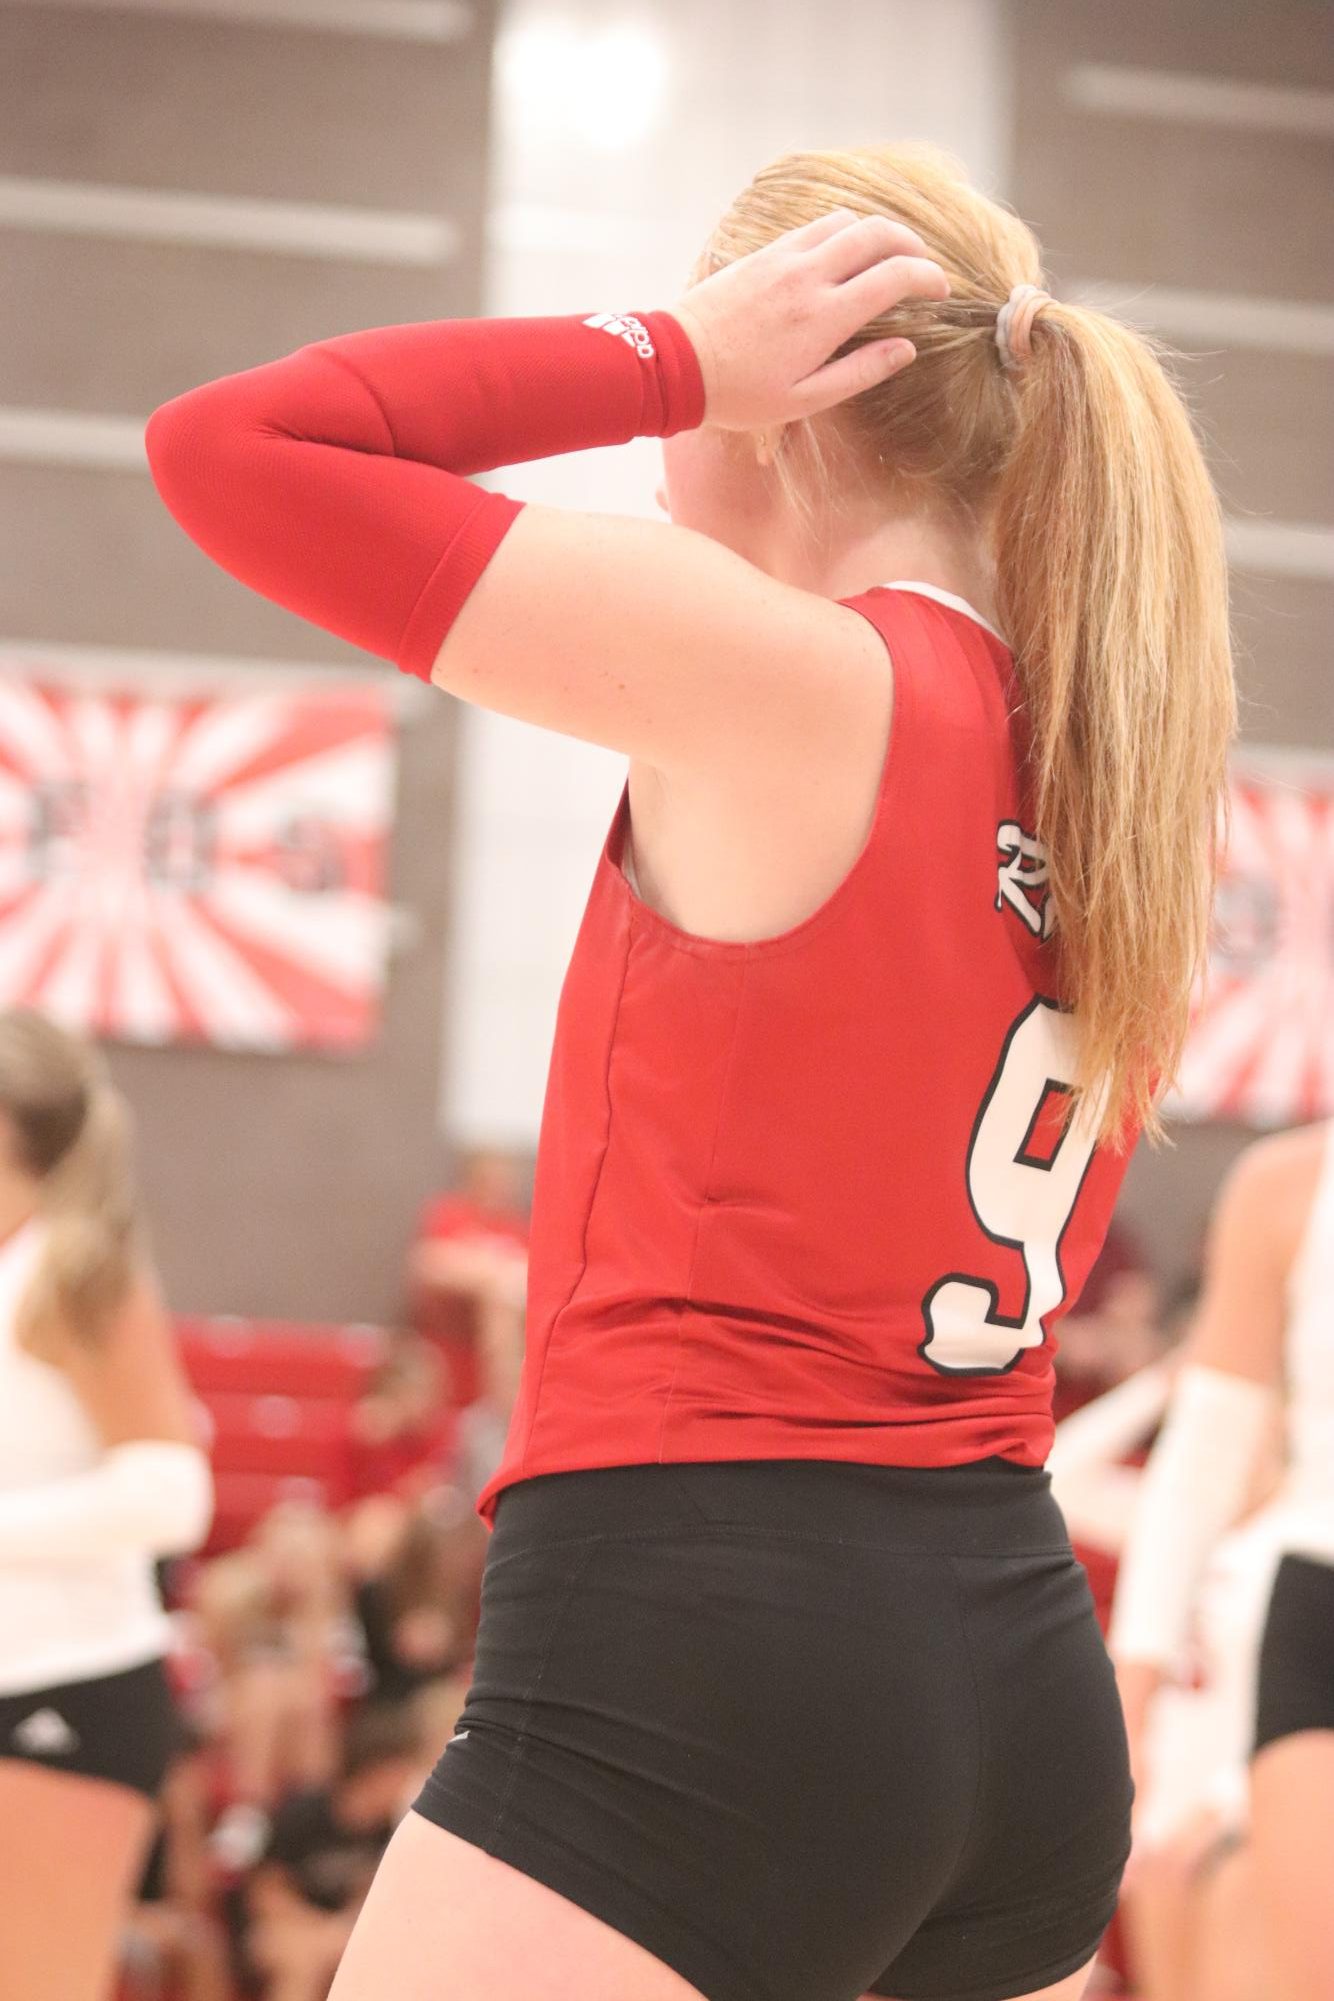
(324, 1635)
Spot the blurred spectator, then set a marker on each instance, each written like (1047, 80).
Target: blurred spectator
(175, 1944)
(417, 1596)
(290, 1920)
(274, 1615)
(468, 1242)
(399, 1429)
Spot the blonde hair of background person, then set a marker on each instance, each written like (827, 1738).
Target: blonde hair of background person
(1262, 1347)
(99, 1474)
(272, 1615)
(1065, 498)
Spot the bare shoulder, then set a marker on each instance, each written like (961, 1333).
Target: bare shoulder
(1258, 1224)
(657, 641)
(749, 843)
(823, 706)
(1271, 1184)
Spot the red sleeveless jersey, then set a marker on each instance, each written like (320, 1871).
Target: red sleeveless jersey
(816, 1197)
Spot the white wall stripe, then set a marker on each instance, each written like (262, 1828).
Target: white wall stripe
(390, 20)
(1214, 319)
(161, 215)
(73, 438)
(1295, 765)
(199, 673)
(1281, 548)
(1180, 98)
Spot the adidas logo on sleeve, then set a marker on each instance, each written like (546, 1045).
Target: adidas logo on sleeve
(627, 328)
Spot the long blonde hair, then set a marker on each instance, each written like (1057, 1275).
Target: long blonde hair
(1082, 466)
(71, 1133)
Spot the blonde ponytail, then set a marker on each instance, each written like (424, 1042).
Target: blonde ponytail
(1112, 589)
(1071, 452)
(71, 1133)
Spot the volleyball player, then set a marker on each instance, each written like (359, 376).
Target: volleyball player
(99, 1474)
(787, 1684)
(1189, 1911)
(1263, 1345)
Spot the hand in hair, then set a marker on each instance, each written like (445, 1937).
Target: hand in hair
(765, 326)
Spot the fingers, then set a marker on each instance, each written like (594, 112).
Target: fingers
(872, 266)
(851, 375)
(886, 285)
(842, 237)
(864, 241)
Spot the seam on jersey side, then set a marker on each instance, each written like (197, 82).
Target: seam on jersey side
(705, 1198)
(569, 1300)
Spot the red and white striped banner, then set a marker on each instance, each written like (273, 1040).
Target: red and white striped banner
(1262, 1046)
(196, 867)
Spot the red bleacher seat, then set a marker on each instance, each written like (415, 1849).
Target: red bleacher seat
(278, 1434)
(288, 1358)
(278, 1394)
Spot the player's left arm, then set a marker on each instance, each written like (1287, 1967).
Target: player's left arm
(338, 481)
(657, 641)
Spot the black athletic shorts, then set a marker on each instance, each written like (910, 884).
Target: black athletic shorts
(802, 1730)
(1296, 1679)
(118, 1727)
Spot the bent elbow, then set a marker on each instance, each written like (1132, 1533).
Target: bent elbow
(184, 442)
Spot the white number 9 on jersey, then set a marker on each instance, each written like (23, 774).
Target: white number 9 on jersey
(1026, 1166)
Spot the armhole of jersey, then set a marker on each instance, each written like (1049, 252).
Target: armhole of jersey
(902, 727)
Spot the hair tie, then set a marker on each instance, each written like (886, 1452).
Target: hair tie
(1014, 323)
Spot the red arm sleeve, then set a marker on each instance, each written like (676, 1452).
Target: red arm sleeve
(335, 481)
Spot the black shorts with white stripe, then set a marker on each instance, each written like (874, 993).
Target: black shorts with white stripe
(119, 1727)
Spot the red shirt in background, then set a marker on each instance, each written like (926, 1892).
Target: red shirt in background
(450, 1318)
(379, 1466)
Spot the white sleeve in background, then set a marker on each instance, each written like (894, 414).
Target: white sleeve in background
(1097, 1495)
(151, 1496)
(1100, 1432)
(1193, 1488)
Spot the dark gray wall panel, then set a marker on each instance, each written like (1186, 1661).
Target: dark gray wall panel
(1282, 628)
(160, 101)
(1253, 408)
(94, 559)
(125, 325)
(1278, 41)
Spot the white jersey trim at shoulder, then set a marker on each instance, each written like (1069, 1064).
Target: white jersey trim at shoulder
(954, 603)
